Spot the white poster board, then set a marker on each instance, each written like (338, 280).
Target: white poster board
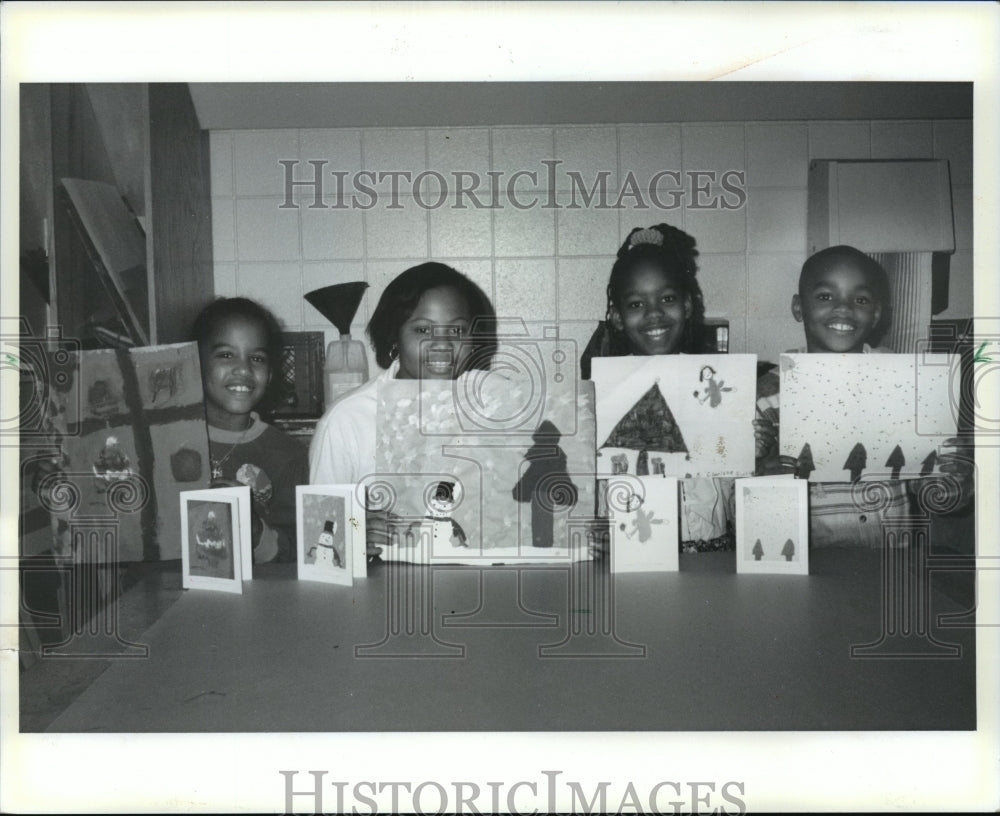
(847, 417)
(675, 415)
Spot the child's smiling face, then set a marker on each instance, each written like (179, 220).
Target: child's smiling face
(433, 342)
(235, 371)
(838, 308)
(651, 311)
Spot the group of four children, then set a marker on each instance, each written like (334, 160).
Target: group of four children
(432, 322)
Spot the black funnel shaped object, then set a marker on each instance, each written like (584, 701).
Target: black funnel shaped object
(338, 303)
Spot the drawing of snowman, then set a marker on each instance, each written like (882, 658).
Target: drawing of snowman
(324, 550)
(445, 531)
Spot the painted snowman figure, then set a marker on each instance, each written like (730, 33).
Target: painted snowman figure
(446, 533)
(325, 551)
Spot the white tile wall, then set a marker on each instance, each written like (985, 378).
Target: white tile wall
(716, 229)
(546, 264)
(396, 230)
(256, 157)
(902, 140)
(221, 170)
(646, 150)
(585, 230)
(590, 152)
(840, 140)
(225, 280)
(528, 232)
(265, 231)
(776, 220)
(723, 280)
(526, 288)
(523, 149)
(402, 150)
(579, 298)
(278, 286)
(340, 148)
(461, 233)
(713, 148)
(332, 233)
(777, 155)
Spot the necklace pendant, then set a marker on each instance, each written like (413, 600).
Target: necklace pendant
(216, 471)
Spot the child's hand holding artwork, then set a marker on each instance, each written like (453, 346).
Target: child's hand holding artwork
(769, 462)
(376, 534)
(958, 464)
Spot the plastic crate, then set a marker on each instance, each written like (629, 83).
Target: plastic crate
(301, 372)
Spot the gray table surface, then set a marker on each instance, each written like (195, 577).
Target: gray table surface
(700, 649)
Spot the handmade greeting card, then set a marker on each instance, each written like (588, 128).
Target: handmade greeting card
(216, 546)
(675, 415)
(847, 417)
(772, 525)
(643, 515)
(129, 428)
(331, 534)
(495, 467)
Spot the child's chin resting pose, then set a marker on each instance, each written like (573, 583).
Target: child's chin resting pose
(239, 343)
(431, 323)
(843, 304)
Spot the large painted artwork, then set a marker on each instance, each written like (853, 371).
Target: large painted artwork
(128, 434)
(493, 467)
(849, 417)
(676, 415)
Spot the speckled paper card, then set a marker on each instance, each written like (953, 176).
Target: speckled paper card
(772, 525)
(850, 417)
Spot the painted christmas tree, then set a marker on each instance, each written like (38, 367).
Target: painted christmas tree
(788, 550)
(857, 461)
(212, 542)
(896, 461)
(805, 463)
(647, 425)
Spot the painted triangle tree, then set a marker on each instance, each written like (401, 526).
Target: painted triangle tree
(927, 466)
(648, 425)
(788, 550)
(895, 461)
(857, 461)
(805, 464)
(758, 551)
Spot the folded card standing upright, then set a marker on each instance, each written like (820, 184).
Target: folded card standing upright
(772, 525)
(331, 545)
(216, 541)
(643, 515)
